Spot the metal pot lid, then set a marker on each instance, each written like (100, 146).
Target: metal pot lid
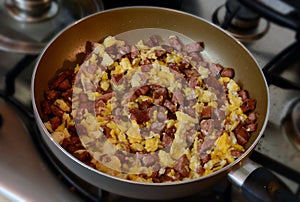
(27, 26)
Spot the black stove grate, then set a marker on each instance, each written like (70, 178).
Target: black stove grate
(288, 57)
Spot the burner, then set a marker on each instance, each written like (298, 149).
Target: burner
(239, 16)
(240, 22)
(291, 124)
(31, 10)
(28, 25)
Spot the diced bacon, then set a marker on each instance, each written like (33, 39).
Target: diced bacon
(140, 116)
(194, 47)
(227, 72)
(153, 41)
(215, 69)
(182, 167)
(242, 135)
(175, 43)
(248, 105)
(171, 106)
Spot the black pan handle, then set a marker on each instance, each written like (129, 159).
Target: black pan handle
(259, 184)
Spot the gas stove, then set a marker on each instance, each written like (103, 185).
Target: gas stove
(29, 172)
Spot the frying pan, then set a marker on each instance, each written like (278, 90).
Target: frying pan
(220, 47)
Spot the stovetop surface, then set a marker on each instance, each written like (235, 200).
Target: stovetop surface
(24, 173)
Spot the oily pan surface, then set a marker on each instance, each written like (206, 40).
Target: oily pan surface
(220, 47)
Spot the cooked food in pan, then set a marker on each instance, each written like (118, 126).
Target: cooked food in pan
(150, 111)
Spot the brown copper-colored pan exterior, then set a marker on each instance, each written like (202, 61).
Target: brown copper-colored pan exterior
(221, 48)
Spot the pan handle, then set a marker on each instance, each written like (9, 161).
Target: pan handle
(259, 184)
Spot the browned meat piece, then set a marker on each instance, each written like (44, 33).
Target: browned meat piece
(80, 129)
(83, 156)
(116, 78)
(205, 146)
(242, 135)
(123, 50)
(91, 68)
(218, 114)
(99, 104)
(215, 69)
(194, 47)
(193, 82)
(141, 116)
(155, 177)
(196, 57)
(67, 96)
(182, 166)
(55, 122)
(153, 41)
(143, 90)
(105, 97)
(86, 105)
(72, 144)
(64, 85)
(159, 53)
(173, 66)
(236, 153)
(204, 158)
(251, 127)
(121, 156)
(252, 117)
(145, 105)
(56, 111)
(166, 176)
(168, 48)
(106, 131)
(83, 97)
(46, 109)
(200, 170)
(161, 114)
(207, 126)
(159, 94)
(52, 95)
(170, 105)
(227, 72)
(178, 97)
(191, 73)
(60, 78)
(206, 112)
(149, 160)
(248, 105)
(157, 127)
(175, 43)
(168, 136)
(167, 141)
(214, 83)
(244, 94)
(188, 110)
(112, 50)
